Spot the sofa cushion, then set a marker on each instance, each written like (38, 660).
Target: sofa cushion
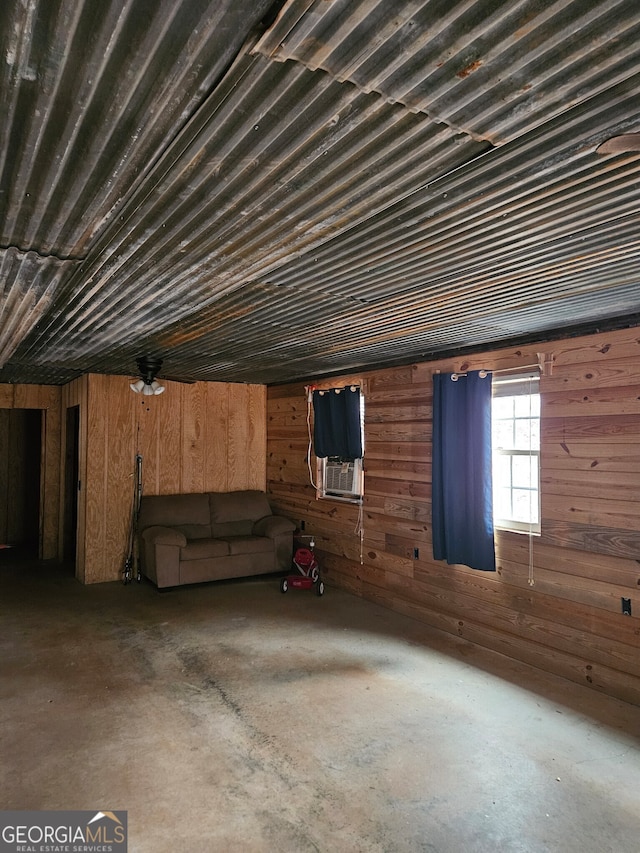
(248, 504)
(250, 545)
(175, 510)
(233, 528)
(194, 531)
(201, 549)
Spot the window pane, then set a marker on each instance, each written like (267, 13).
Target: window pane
(522, 472)
(503, 434)
(523, 505)
(535, 405)
(525, 436)
(523, 406)
(502, 407)
(502, 470)
(535, 434)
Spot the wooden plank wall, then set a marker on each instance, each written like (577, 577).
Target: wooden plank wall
(569, 622)
(207, 436)
(47, 399)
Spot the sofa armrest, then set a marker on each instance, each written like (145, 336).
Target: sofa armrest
(160, 554)
(272, 526)
(157, 535)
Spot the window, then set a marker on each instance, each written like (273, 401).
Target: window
(515, 421)
(339, 442)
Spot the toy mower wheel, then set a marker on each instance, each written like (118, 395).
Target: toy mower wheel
(284, 585)
(320, 588)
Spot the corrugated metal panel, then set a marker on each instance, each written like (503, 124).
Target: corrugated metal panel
(545, 209)
(91, 93)
(533, 59)
(263, 221)
(366, 337)
(278, 161)
(534, 235)
(28, 283)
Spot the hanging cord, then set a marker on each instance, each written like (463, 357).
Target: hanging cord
(309, 391)
(359, 530)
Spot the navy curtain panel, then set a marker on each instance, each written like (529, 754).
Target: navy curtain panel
(462, 500)
(337, 429)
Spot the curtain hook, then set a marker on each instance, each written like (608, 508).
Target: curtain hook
(454, 377)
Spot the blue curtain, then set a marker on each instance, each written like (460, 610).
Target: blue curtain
(462, 500)
(337, 429)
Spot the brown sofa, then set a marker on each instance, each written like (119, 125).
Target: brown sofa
(193, 538)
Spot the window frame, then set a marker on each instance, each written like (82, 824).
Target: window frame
(321, 463)
(517, 385)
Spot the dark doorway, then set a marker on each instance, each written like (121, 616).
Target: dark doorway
(20, 464)
(71, 469)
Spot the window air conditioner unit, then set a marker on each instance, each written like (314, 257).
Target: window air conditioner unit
(343, 478)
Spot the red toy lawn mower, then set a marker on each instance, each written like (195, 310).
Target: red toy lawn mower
(305, 562)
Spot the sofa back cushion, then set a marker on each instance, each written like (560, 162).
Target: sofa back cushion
(187, 513)
(235, 513)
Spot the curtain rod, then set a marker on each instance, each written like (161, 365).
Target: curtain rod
(484, 373)
(542, 364)
(352, 386)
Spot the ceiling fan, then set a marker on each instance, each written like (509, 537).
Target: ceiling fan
(148, 366)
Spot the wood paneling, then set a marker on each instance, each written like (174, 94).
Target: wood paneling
(554, 602)
(193, 438)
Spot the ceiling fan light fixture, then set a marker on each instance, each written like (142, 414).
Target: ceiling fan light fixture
(147, 384)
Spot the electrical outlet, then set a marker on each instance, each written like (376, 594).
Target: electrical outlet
(626, 606)
(302, 525)
(416, 553)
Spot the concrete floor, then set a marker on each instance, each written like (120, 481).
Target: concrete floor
(229, 717)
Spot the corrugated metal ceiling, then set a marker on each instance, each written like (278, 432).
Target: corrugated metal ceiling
(259, 197)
